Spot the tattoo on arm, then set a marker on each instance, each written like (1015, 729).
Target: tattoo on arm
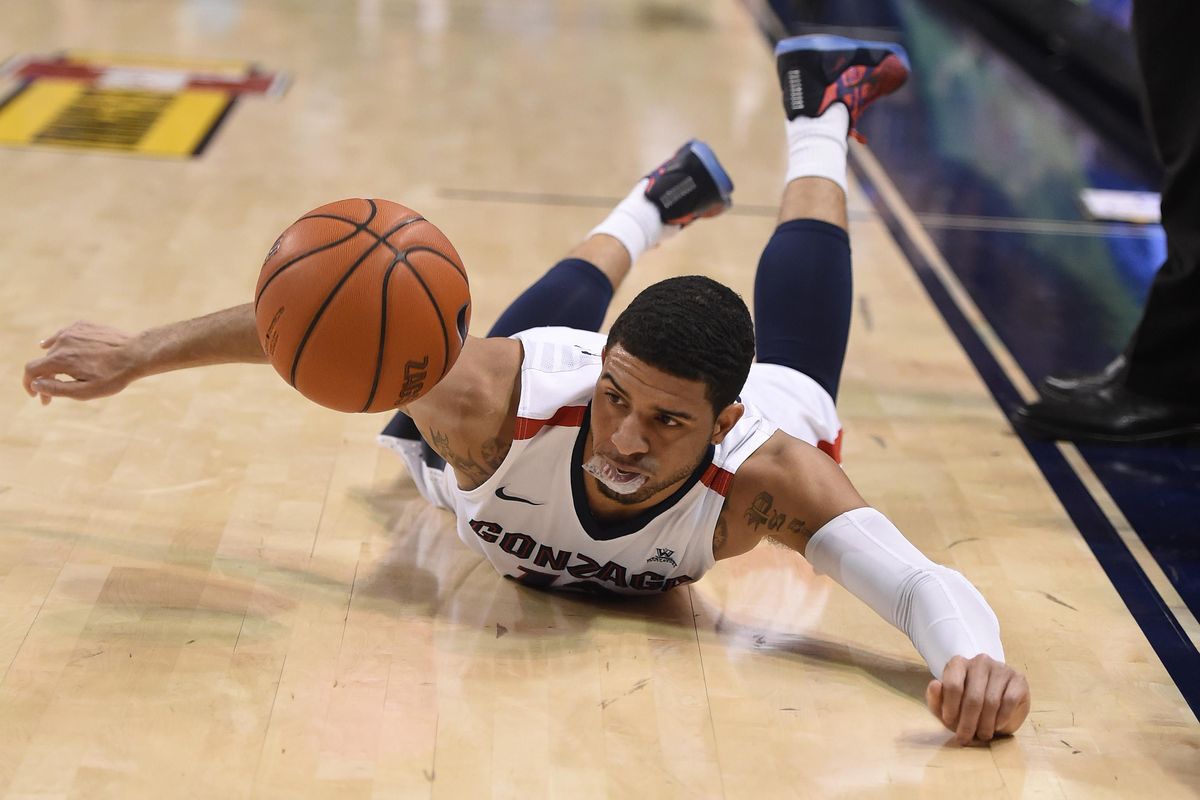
(797, 526)
(720, 533)
(492, 453)
(763, 512)
(439, 441)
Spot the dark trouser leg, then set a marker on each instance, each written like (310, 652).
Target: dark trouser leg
(1164, 354)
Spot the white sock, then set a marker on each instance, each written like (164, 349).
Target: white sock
(817, 146)
(635, 222)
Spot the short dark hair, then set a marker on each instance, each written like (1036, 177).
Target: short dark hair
(694, 328)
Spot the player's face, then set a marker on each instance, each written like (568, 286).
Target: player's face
(649, 430)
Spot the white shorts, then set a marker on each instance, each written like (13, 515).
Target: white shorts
(796, 404)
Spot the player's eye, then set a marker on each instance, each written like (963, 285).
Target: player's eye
(614, 398)
(669, 422)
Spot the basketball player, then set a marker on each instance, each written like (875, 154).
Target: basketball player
(633, 462)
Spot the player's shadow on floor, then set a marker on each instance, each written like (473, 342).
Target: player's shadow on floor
(428, 571)
(905, 677)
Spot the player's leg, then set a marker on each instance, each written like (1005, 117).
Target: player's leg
(577, 290)
(802, 290)
(574, 293)
(1164, 354)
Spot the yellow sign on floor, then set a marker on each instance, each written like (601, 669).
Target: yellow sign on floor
(137, 104)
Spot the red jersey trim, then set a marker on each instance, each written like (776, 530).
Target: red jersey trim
(832, 449)
(717, 479)
(570, 416)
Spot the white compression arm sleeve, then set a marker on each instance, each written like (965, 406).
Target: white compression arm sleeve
(942, 613)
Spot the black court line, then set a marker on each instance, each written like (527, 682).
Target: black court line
(578, 201)
(1062, 227)
(1055, 227)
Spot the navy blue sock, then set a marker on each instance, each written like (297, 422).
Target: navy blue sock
(574, 293)
(802, 300)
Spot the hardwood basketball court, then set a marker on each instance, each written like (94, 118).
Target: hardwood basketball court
(210, 587)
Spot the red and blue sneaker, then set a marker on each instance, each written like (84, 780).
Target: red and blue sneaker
(689, 185)
(817, 71)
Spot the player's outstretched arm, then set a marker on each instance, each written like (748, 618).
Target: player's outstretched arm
(797, 495)
(470, 416)
(98, 360)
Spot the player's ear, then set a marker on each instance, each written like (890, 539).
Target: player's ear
(725, 421)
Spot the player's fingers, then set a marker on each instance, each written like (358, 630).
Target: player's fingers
(933, 697)
(953, 677)
(80, 328)
(992, 697)
(46, 366)
(1015, 705)
(55, 363)
(78, 390)
(972, 700)
(53, 338)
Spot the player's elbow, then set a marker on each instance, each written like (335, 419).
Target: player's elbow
(945, 616)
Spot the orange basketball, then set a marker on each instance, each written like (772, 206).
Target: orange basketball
(362, 305)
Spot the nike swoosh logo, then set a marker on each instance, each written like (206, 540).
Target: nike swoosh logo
(503, 495)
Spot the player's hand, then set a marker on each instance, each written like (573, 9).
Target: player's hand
(979, 698)
(96, 359)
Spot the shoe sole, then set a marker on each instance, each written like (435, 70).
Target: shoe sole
(1043, 431)
(709, 159)
(825, 42)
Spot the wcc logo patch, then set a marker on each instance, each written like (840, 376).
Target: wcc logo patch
(663, 555)
(159, 106)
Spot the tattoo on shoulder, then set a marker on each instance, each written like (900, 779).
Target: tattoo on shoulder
(762, 512)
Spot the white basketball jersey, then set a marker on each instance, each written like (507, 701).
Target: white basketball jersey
(531, 519)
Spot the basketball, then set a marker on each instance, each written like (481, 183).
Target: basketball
(362, 305)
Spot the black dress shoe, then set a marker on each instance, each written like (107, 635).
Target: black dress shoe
(1108, 412)
(1061, 387)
